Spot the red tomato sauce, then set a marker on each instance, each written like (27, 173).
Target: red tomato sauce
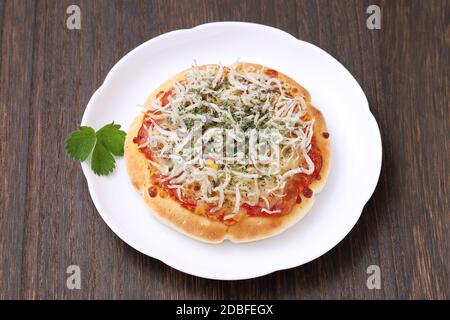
(165, 97)
(152, 191)
(271, 73)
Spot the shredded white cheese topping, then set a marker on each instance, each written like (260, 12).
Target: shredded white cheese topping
(250, 106)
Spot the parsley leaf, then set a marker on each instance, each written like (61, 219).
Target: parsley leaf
(113, 138)
(248, 124)
(102, 162)
(80, 143)
(104, 144)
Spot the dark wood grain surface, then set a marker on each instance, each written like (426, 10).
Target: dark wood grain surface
(48, 221)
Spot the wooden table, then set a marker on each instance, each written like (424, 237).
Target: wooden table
(48, 221)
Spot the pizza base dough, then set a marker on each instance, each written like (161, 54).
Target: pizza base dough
(202, 228)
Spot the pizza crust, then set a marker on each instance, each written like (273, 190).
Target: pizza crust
(202, 228)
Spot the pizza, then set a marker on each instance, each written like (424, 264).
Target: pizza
(229, 152)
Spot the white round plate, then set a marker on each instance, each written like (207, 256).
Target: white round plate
(355, 140)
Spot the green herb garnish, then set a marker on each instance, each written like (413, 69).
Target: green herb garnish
(106, 143)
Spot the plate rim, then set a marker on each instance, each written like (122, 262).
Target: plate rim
(370, 189)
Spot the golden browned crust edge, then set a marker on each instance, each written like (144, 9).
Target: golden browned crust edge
(199, 227)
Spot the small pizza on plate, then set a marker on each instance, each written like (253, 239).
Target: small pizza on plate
(232, 152)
